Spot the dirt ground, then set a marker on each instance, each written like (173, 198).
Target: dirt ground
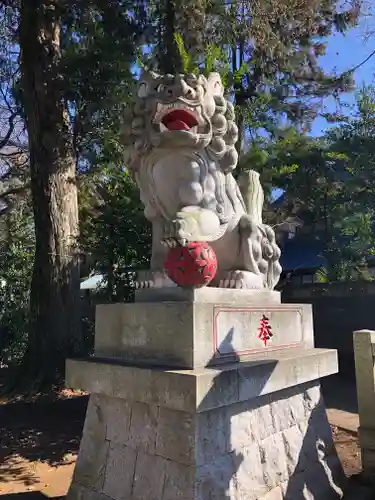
(348, 450)
(39, 441)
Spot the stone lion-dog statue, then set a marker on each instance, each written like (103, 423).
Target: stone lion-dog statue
(180, 137)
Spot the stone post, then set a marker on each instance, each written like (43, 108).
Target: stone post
(188, 402)
(364, 354)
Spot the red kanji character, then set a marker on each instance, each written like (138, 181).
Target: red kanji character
(264, 330)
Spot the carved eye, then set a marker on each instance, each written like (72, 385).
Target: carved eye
(160, 88)
(214, 84)
(217, 88)
(142, 90)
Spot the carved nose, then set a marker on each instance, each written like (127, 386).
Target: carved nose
(187, 91)
(190, 93)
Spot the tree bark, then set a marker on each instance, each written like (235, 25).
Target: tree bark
(169, 59)
(54, 301)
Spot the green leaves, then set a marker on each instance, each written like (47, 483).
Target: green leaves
(329, 183)
(186, 58)
(16, 264)
(114, 230)
(213, 58)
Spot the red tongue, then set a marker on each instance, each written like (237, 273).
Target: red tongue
(177, 125)
(179, 119)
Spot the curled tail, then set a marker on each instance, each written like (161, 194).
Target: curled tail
(253, 195)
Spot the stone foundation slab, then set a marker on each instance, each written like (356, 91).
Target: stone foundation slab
(277, 446)
(248, 431)
(204, 388)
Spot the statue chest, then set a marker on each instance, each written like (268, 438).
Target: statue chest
(174, 180)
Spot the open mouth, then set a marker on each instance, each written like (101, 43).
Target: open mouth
(179, 119)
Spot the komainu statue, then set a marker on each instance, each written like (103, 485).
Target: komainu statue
(181, 136)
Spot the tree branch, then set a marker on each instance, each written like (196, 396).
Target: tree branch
(14, 190)
(11, 120)
(13, 154)
(14, 144)
(360, 64)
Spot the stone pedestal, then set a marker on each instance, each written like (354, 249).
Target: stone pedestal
(188, 403)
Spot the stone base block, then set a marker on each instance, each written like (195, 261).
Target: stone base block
(190, 329)
(249, 431)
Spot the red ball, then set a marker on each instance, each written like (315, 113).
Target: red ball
(192, 265)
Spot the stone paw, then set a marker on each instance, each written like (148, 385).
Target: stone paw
(244, 280)
(173, 242)
(175, 233)
(153, 279)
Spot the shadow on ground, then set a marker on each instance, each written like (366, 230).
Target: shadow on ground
(32, 495)
(45, 430)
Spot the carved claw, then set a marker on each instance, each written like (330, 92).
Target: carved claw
(241, 280)
(173, 243)
(144, 284)
(175, 233)
(153, 279)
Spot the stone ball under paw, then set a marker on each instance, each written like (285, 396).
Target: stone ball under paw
(191, 266)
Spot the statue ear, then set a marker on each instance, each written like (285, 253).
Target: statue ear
(214, 84)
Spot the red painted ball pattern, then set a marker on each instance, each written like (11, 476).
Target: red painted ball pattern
(192, 265)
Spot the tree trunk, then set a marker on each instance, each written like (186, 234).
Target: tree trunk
(169, 59)
(54, 303)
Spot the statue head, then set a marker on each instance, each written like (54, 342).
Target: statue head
(183, 111)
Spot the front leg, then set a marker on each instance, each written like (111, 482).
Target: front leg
(158, 250)
(155, 277)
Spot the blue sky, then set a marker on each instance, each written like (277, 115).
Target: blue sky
(343, 53)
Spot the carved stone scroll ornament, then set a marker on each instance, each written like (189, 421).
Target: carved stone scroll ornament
(181, 137)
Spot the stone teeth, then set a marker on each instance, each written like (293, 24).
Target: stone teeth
(162, 109)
